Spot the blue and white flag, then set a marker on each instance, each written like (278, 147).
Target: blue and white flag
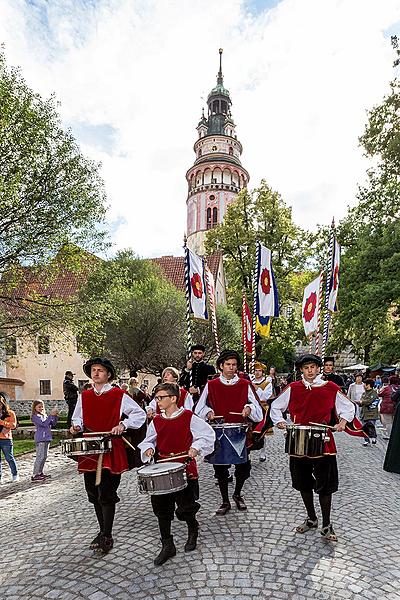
(196, 285)
(266, 291)
(334, 278)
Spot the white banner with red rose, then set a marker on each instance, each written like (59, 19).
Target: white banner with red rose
(266, 291)
(334, 280)
(196, 286)
(311, 306)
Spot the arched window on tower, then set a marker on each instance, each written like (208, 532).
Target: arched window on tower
(199, 153)
(215, 217)
(209, 223)
(230, 151)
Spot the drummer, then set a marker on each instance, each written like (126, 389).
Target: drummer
(100, 409)
(264, 389)
(233, 399)
(176, 431)
(314, 400)
(171, 375)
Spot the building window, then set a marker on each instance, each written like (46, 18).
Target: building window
(209, 224)
(215, 217)
(212, 198)
(230, 151)
(11, 346)
(43, 344)
(45, 387)
(199, 153)
(81, 383)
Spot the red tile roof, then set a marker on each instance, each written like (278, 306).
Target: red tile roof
(173, 268)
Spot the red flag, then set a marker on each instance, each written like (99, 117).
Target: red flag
(355, 428)
(246, 326)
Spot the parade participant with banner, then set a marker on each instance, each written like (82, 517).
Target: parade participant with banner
(197, 372)
(171, 375)
(172, 432)
(104, 408)
(264, 389)
(314, 401)
(231, 399)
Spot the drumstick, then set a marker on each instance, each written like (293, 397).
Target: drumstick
(235, 413)
(129, 444)
(99, 469)
(173, 457)
(218, 417)
(323, 425)
(97, 433)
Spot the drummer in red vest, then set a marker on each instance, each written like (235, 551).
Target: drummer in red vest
(104, 408)
(314, 400)
(232, 398)
(171, 375)
(175, 431)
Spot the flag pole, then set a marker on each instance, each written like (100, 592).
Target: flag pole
(328, 272)
(317, 339)
(244, 331)
(211, 298)
(253, 332)
(188, 320)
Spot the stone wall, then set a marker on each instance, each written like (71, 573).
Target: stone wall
(24, 407)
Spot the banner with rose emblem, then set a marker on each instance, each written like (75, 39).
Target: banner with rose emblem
(266, 291)
(196, 285)
(334, 278)
(311, 306)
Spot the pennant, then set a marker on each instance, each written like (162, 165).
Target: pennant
(266, 291)
(246, 326)
(334, 279)
(211, 289)
(311, 306)
(196, 286)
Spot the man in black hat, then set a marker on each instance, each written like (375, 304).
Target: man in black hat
(329, 374)
(104, 408)
(70, 395)
(314, 400)
(232, 398)
(197, 372)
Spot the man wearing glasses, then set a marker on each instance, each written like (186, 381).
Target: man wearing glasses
(175, 434)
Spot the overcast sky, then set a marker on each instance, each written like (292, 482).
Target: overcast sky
(131, 75)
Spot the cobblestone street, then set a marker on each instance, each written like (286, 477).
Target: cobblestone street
(251, 555)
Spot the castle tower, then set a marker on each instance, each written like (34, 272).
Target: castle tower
(217, 175)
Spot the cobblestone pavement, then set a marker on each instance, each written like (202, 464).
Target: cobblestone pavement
(46, 528)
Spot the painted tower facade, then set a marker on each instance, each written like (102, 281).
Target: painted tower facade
(217, 175)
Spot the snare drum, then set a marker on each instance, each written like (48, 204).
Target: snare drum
(306, 440)
(230, 444)
(162, 478)
(86, 445)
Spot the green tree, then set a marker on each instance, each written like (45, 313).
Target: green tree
(51, 196)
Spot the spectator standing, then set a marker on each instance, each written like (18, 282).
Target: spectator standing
(355, 392)
(8, 422)
(378, 382)
(387, 406)
(43, 437)
(369, 411)
(70, 395)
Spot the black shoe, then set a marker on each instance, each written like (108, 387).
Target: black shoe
(105, 545)
(96, 542)
(168, 550)
(239, 502)
(223, 509)
(191, 542)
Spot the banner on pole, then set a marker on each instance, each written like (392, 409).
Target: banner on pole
(246, 326)
(196, 286)
(311, 306)
(334, 278)
(266, 291)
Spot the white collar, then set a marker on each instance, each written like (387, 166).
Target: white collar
(226, 381)
(317, 382)
(174, 414)
(106, 388)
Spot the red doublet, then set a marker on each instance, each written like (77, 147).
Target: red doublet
(314, 405)
(181, 400)
(102, 412)
(224, 399)
(174, 437)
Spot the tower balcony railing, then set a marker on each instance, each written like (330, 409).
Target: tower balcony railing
(215, 186)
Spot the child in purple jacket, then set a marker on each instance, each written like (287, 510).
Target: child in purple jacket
(43, 437)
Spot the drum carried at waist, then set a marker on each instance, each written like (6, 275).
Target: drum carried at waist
(306, 440)
(230, 444)
(162, 478)
(86, 445)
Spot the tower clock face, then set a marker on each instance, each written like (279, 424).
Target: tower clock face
(214, 148)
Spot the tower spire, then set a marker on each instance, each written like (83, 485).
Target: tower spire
(220, 77)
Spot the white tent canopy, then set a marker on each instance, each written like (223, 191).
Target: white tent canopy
(358, 367)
